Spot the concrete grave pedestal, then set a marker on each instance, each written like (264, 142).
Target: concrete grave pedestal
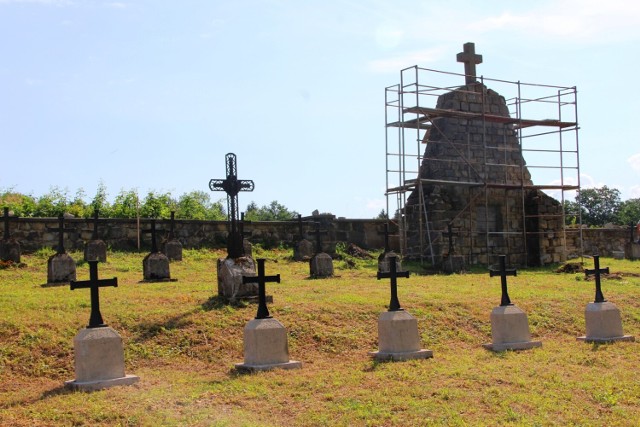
(61, 268)
(99, 360)
(95, 250)
(155, 267)
(510, 330)
(10, 250)
(383, 262)
(604, 323)
(321, 265)
(266, 347)
(398, 337)
(230, 272)
(303, 250)
(173, 250)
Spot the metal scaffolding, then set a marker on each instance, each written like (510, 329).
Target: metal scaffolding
(545, 121)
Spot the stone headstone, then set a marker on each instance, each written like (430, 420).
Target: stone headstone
(604, 323)
(510, 330)
(385, 258)
(10, 250)
(632, 250)
(99, 360)
(155, 267)
(398, 337)
(230, 273)
(303, 250)
(173, 250)
(266, 346)
(95, 250)
(61, 268)
(321, 266)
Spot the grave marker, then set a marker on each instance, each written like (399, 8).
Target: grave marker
(261, 279)
(155, 265)
(303, 249)
(173, 247)
(61, 268)
(9, 247)
(95, 320)
(394, 303)
(503, 272)
(320, 264)
(95, 248)
(470, 59)
(385, 257)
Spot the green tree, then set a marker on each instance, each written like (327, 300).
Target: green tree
(600, 204)
(100, 202)
(274, 211)
(52, 204)
(193, 205)
(629, 212)
(78, 207)
(157, 205)
(125, 204)
(20, 204)
(571, 212)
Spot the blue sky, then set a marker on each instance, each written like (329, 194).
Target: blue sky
(151, 95)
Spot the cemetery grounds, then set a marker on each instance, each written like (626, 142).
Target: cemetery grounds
(183, 343)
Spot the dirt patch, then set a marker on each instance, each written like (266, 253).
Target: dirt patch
(571, 267)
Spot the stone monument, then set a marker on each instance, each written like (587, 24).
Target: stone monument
(388, 255)
(398, 337)
(509, 324)
(9, 247)
(603, 320)
(61, 268)
(632, 248)
(155, 266)
(265, 339)
(95, 248)
(172, 246)
(321, 263)
(231, 269)
(98, 350)
(302, 249)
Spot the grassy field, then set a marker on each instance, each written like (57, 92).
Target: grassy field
(183, 343)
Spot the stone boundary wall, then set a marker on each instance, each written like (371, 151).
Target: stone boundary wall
(122, 234)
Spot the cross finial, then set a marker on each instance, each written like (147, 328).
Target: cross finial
(469, 57)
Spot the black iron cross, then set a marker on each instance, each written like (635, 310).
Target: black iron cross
(393, 274)
(300, 230)
(596, 272)
(318, 232)
(96, 220)
(6, 218)
(172, 225)
(60, 230)
(261, 279)
(450, 234)
(232, 186)
(387, 248)
(469, 57)
(152, 231)
(95, 321)
(503, 273)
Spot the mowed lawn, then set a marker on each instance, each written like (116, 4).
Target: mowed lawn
(183, 343)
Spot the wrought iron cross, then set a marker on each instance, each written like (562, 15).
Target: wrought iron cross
(393, 274)
(503, 273)
(96, 220)
(596, 272)
(6, 218)
(152, 231)
(95, 321)
(232, 186)
(387, 248)
(450, 234)
(261, 279)
(60, 230)
(172, 225)
(469, 57)
(318, 232)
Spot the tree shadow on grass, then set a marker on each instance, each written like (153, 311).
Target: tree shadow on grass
(220, 303)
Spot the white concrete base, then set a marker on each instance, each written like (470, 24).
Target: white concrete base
(398, 337)
(510, 330)
(99, 360)
(604, 323)
(266, 346)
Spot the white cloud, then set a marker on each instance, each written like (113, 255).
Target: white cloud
(634, 161)
(408, 59)
(634, 192)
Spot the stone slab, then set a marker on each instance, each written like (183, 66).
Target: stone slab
(397, 357)
(95, 250)
(321, 265)
(101, 384)
(292, 364)
(512, 346)
(155, 266)
(61, 268)
(606, 340)
(230, 273)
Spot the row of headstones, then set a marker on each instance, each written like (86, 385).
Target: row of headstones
(99, 354)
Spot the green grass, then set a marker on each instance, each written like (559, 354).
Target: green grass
(183, 343)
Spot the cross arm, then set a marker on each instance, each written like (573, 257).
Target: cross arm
(256, 279)
(386, 274)
(83, 284)
(216, 185)
(246, 185)
(510, 272)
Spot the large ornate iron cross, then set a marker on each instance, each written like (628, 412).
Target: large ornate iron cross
(469, 57)
(95, 321)
(261, 279)
(503, 273)
(393, 274)
(232, 186)
(596, 272)
(6, 218)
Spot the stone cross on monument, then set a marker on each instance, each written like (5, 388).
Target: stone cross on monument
(6, 219)
(261, 279)
(393, 274)
(596, 272)
(470, 59)
(95, 321)
(232, 186)
(60, 230)
(503, 273)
